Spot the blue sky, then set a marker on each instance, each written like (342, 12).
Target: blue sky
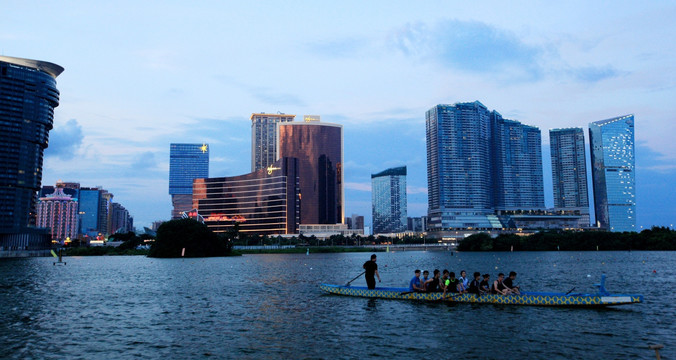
(140, 75)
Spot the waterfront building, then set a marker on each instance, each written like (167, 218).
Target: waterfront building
(264, 138)
(28, 96)
(121, 221)
(458, 167)
(357, 221)
(187, 162)
(417, 224)
(58, 212)
(266, 201)
(613, 164)
(516, 165)
(90, 204)
(388, 200)
(318, 147)
(569, 171)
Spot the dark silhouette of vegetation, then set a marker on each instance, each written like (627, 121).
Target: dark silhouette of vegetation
(656, 238)
(196, 238)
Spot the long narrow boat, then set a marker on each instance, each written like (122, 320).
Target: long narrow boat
(600, 299)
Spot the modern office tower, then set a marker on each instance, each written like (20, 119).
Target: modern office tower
(388, 201)
(28, 96)
(417, 224)
(187, 162)
(612, 158)
(58, 213)
(318, 147)
(569, 171)
(266, 201)
(264, 138)
(516, 165)
(120, 221)
(458, 167)
(90, 204)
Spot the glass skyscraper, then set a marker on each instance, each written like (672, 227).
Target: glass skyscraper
(318, 147)
(264, 138)
(187, 162)
(28, 96)
(612, 156)
(516, 151)
(388, 201)
(569, 168)
(266, 201)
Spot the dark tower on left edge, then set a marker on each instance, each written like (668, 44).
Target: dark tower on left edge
(28, 96)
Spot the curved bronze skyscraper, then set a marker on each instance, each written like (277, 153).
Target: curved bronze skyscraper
(28, 96)
(319, 149)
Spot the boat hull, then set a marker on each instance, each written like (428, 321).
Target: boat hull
(526, 298)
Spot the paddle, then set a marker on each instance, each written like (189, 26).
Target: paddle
(571, 290)
(356, 277)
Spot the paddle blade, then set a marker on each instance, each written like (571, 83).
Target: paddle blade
(53, 253)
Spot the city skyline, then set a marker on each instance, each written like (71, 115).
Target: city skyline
(375, 72)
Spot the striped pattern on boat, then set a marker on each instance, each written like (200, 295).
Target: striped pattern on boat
(526, 298)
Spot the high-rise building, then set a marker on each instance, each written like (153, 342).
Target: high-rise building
(266, 201)
(58, 213)
(264, 138)
(458, 167)
(90, 204)
(318, 147)
(516, 165)
(28, 96)
(569, 171)
(357, 221)
(388, 201)
(120, 220)
(612, 157)
(187, 162)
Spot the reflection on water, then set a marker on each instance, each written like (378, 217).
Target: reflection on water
(269, 306)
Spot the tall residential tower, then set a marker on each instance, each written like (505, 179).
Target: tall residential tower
(388, 194)
(264, 138)
(612, 156)
(569, 171)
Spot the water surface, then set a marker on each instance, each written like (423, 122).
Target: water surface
(270, 306)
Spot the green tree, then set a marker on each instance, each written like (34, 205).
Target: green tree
(196, 238)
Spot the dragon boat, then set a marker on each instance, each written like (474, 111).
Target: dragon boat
(600, 299)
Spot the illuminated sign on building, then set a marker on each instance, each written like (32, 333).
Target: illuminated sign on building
(204, 148)
(271, 169)
(221, 217)
(310, 118)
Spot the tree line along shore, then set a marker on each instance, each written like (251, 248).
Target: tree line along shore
(199, 241)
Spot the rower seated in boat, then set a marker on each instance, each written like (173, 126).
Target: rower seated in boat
(484, 286)
(509, 282)
(499, 286)
(432, 285)
(475, 284)
(415, 285)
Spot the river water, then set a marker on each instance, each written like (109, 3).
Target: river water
(270, 306)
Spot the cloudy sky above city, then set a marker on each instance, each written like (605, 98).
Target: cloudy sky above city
(141, 75)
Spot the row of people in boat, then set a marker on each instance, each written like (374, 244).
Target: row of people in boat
(446, 282)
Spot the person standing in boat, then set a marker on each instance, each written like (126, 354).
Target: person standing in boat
(370, 271)
(415, 285)
(509, 282)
